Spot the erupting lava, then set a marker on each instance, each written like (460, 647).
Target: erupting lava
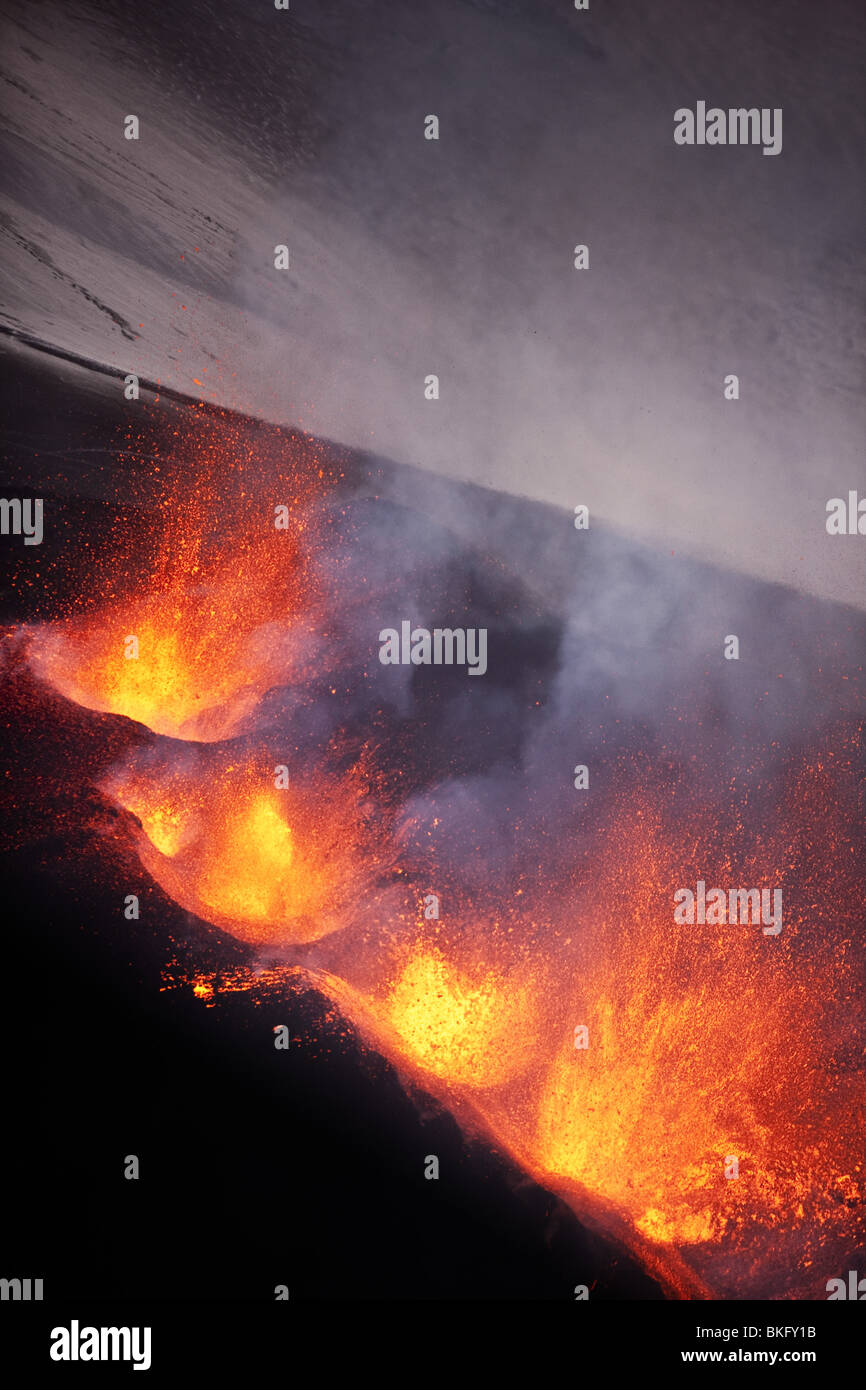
(269, 866)
(474, 1028)
(199, 670)
(711, 1122)
(219, 616)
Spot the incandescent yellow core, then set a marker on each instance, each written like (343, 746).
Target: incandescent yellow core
(250, 876)
(180, 684)
(266, 864)
(474, 1031)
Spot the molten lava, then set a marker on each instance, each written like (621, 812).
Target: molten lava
(472, 1028)
(219, 615)
(711, 1123)
(203, 660)
(270, 866)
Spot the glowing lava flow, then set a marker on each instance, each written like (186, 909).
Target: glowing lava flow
(216, 618)
(472, 1028)
(712, 1123)
(198, 671)
(705, 1045)
(271, 866)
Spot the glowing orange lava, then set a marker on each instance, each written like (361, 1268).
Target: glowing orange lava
(469, 1028)
(197, 672)
(215, 620)
(269, 865)
(708, 1123)
(712, 1121)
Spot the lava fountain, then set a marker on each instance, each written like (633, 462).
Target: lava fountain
(187, 638)
(711, 1119)
(269, 857)
(697, 1093)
